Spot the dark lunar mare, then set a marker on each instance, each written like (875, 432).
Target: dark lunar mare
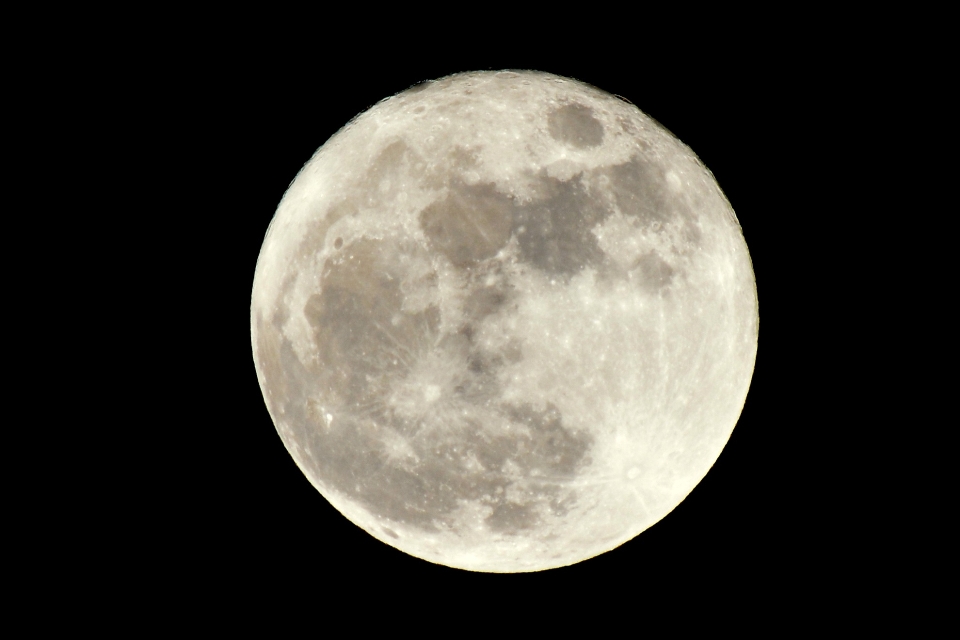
(554, 231)
(641, 192)
(574, 124)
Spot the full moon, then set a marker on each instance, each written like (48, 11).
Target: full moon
(504, 321)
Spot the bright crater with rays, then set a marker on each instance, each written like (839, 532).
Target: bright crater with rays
(504, 321)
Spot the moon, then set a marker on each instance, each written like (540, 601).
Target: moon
(504, 321)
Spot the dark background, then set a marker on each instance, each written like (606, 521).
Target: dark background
(234, 510)
(154, 148)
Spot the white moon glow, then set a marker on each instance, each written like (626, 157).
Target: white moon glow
(504, 321)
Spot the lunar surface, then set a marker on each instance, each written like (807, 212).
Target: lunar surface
(504, 321)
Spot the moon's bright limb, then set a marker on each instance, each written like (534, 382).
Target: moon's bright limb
(504, 321)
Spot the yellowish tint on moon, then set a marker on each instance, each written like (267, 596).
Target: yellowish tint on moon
(504, 321)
